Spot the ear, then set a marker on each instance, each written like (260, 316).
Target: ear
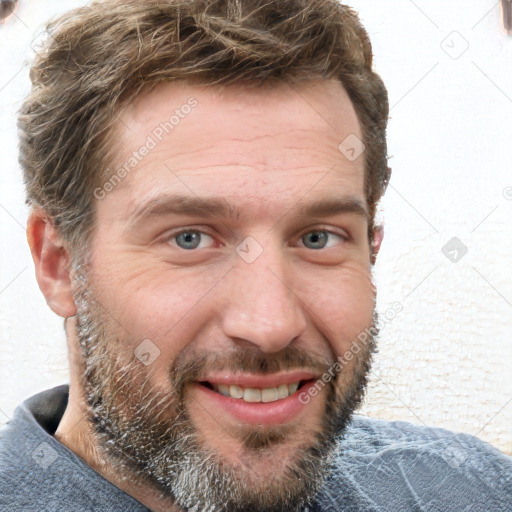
(378, 236)
(52, 263)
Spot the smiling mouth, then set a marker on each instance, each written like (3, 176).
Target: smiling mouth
(255, 395)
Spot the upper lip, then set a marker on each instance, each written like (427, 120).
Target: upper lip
(258, 381)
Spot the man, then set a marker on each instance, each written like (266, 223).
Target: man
(203, 178)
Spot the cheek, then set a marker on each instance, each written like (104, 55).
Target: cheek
(146, 299)
(342, 305)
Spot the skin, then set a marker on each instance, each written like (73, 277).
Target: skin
(267, 153)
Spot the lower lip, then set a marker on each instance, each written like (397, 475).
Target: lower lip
(279, 412)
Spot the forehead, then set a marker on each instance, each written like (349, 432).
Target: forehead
(248, 144)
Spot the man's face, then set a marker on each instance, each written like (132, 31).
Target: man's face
(233, 259)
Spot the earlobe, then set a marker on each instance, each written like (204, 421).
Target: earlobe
(378, 236)
(52, 263)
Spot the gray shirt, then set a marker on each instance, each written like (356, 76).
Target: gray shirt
(381, 466)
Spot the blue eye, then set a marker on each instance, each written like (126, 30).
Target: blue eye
(193, 239)
(319, 239)
(189, 239)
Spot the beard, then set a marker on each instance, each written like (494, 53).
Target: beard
(147, 435)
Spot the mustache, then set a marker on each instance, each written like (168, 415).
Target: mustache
(190, 366)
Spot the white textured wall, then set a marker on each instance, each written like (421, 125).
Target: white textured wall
(446, 357)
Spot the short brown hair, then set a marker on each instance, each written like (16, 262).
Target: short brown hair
(98, 57)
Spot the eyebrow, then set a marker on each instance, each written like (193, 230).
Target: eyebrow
(216, 207)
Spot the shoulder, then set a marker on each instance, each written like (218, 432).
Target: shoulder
(397, 466)
(39, 473)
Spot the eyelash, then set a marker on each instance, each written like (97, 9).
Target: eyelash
(174, 235)
(344, 238)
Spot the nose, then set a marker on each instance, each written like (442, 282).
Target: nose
(261, 306)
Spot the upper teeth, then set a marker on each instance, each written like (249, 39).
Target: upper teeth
(256, 394)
